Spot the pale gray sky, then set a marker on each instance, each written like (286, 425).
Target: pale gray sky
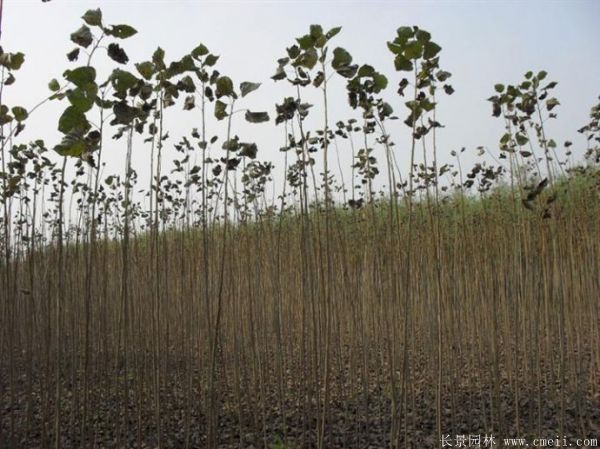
(484, 42)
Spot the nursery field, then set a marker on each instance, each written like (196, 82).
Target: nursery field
(451, 304)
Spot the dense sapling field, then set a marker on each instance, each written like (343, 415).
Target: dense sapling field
(215, 307)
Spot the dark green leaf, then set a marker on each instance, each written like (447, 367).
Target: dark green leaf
(12, 61)
(121, 31)
(146, 69)
(249, 150)
(211, 60)
(93, 17)
(551, 103)
(220, 110)
(82, 37)
(199, 51)
(247, 87)
(81, 76)
(333, 32)
(305, 42)
(116, 53)
(431, 50)
(402, 64)
(224, 87)
(124, 114)
(158, 58)
(19, 113)
(499, 88)
(82, 99)
(341, 58)
(53, 85)
(257, 117)
(413, 50)
(73, 54)
(72, 119)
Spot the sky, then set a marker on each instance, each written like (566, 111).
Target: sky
(483, 43)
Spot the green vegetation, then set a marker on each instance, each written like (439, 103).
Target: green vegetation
(197, 312)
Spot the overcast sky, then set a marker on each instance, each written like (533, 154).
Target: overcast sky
(483, 43)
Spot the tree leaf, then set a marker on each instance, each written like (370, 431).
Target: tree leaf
(124, 114)
(257, 117)
(121, 31)
(333, 32)
(341, 58)
(305, 42)
(551, 103)
(81, 76)
(146, 69)
(20, 113)
(12, 61)
(249, 150)
(116, 53)
(72, 119)
(220, 110)
(199, 51)
(81, 99)
(73, 54)
(82, 37)
(431, 50)
(402, 64)
(413, 50)
(211, 60)
(189, 103)
(122, 81)
(224, 87)
(53, 85)
(93, 17)
(247, 87)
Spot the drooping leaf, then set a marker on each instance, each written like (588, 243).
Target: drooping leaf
(249, 150)
(124, 114)
(73, 54)
(5, 117)
(551, 103)
(122, 81)
(116, 53)
(257, 117)
(308, 59)
(73, 144)
(189, 103)
(72, 119)
(83, 36)
(220, 110)
(82, 99)
(402, 64)
(247, 87)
